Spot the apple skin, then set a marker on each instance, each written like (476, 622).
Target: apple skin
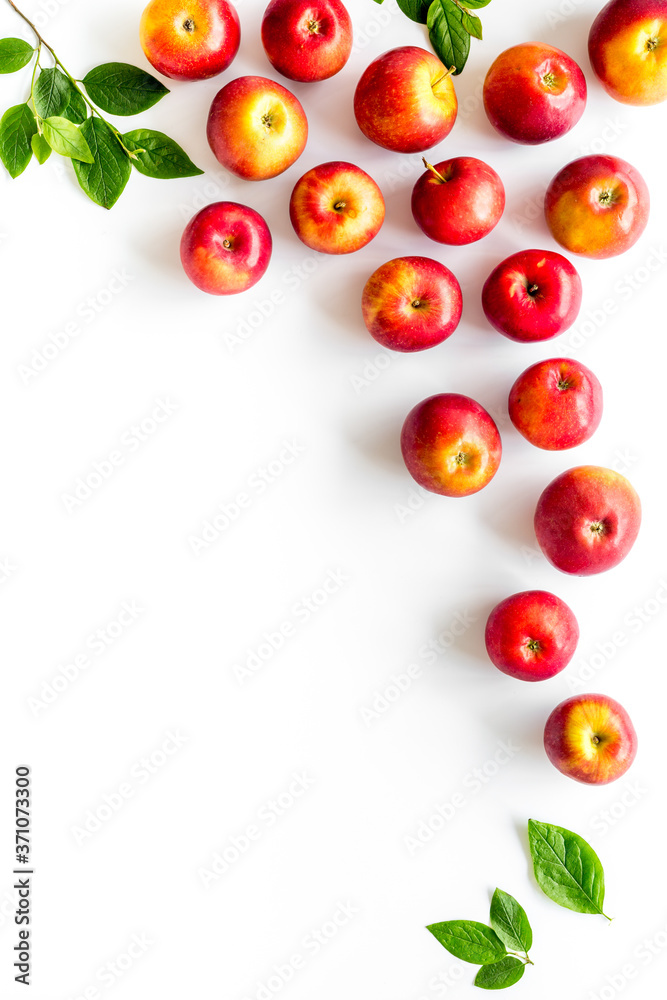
(534, 93)
(458, 201)
(405, 100)
(597, 206)
(336, 208)
(411, 304)
(532, 295)
(590, 737)
(305, 41)
(256, 128)
(532, 635)
(190, 39)
(627, 46)
(451, 445)
(587, 520)
(226, 270)
(556, 404)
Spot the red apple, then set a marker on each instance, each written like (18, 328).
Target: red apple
(336, 208)
(306, 41)
(597, 206)
(190, 39)
(458, 201)
(405, 100)
(590, 738)
(627, 46)
(587, 520)
(411, 303)
(532, 295)
(533, 93)
(531, 635)
(226, 248)
(256, 128)
(556, 404)
(451, 445)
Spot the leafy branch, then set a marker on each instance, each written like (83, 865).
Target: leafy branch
(450, 23)
(64, 115)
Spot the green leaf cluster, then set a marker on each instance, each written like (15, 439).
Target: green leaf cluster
(450, 23)
(63, 115)
(568, 871)
(495, 946)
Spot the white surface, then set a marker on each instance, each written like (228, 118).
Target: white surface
(336, 509)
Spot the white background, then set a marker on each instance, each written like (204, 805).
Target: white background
(308, 374)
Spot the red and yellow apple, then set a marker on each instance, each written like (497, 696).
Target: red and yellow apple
(458, 201)
(590, 737)
(336, 208)
(411, 303)
(306, 41)
(597, 206)
(532, 635)
(587, 520)
(627, 46)
(256, 128)
(226, 248)
(556, 404)
(190, 39)
(532, 295)
(451, 445)
(405, 100)
(533, 93)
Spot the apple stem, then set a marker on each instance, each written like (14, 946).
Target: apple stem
(448, 72)
(429, 166)
(533, 290)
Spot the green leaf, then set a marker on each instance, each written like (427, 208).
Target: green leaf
(159, 156)
(122, 89)
(510, 922)
(501, 974)
(40, 148)
(14, 54)
(65, 138)
(469, 941)
(77, 109)
(417, 10)
(472, 24)
(105, 178)
(17, 128)
(567, 869)
(449, 37)
(474, 4)
(52, 93)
